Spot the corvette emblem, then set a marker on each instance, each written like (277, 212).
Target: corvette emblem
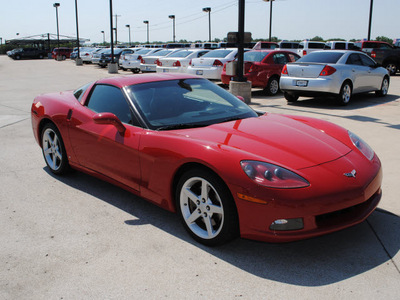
(351, 174)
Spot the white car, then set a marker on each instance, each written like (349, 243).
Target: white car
(132, 61)
(179, 61)
(307, 47)
(210, 65)
(149, 62)
(86, 54)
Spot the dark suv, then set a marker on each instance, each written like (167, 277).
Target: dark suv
(28, 53)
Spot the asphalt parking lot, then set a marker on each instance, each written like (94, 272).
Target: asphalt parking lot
(76, 237)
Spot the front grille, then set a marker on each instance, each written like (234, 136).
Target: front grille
(346, 215)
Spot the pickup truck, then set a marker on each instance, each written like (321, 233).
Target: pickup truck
(388, 58)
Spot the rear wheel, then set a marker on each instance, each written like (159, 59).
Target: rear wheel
(345, 93)
(206, 207)
(391, 67)
(384, 87)
(290, 97)
(272, 87)
(135, 71)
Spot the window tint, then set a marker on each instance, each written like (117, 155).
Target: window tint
(217, 53)
(316, 45)
(254, 56)
(340, 46)
(322, 57)
(280, 58)
(367, 61)
(78, 93)
(301, 46)
(354, 59)
(181, 54)
(105, 98)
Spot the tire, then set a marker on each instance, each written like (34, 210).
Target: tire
(206, 208)
(290, 97)
(53, 149)
(392, 68)
(345, 93)
(41, 56)
(384, 88)
(18, 57)
(272, 87)
(135, 71)
(64, 57)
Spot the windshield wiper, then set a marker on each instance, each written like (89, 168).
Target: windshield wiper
(232, 119)
(181, 126)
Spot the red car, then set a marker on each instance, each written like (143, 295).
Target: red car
(191, 147)
(62, 51)
(263, 68)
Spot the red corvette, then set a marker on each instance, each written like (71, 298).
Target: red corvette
(189, 146)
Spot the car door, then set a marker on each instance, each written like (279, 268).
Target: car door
(101, 147)
(358, 72)
(374, 74)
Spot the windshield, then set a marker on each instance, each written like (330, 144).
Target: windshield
(255, 55)
(321, 57)
(186, 103)
(217, 53)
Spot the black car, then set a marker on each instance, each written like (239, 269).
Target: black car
(27, 53)
(106, 56)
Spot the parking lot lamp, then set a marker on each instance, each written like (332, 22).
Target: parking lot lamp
(78, 60)
(370, 19)
(56, 5)
(129, 28)
(173, 26)
(112, 67)
(208, 9)
(270, 17)
(147, 23)
(104, 37)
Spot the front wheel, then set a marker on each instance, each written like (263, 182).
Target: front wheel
(345, 93)
(53, 149)
(384, 88)
(206, 208)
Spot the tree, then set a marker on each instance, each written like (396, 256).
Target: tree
(384, 39)
(317, 39)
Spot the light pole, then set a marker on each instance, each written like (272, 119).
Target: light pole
(270, 17)
(173, 26)
(112, 67)
(208, 9)
(370, 19)
(129, 27)
(104, 37)
(78, 60)
(56, 5)
(147, 23)
(116, 28)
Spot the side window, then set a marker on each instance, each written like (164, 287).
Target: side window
(106, 98)
(340, 46)
(354, 59)
(293, 58)
(201, 53)
(280, 58)
(367, 61)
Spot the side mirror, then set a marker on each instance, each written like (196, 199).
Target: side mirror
(109, 119)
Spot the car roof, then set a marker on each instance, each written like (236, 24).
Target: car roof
(122, 81)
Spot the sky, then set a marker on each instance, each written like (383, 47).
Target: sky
(291, 19)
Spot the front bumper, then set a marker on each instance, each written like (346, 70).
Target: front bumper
(329, 204)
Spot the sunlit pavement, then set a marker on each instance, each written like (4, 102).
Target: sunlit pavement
(75, 237)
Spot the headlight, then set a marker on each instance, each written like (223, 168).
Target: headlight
(361, 145)
(272, 176)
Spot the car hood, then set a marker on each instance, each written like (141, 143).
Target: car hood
(273, 138)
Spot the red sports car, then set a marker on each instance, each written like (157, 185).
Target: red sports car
(189, 146)
(263, 68)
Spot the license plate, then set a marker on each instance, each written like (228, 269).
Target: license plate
(148, 68)
(199, 72)
(301, 82)
(165, 70)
